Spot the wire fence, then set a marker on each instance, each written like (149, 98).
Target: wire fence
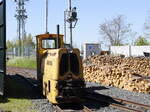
(25, 52)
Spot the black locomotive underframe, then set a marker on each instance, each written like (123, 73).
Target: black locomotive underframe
(70, 89)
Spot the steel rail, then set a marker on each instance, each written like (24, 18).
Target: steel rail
(124, 101)
(118, 106)
(124, 108)
(130, 102)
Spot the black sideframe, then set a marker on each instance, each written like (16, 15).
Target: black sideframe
(2, 46)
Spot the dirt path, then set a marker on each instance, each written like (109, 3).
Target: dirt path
(29, 73)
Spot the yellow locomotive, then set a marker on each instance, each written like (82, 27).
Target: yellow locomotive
(59, 69)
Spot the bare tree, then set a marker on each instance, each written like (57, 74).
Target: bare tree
(147, 28)
(115, 30)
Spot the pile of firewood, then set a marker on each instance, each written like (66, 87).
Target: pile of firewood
(132, 74)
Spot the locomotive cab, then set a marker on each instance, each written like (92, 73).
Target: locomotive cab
(45, 42)
(59, 69)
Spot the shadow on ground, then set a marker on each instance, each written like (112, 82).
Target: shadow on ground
(19, 88)
(94, 88)
(3, 99)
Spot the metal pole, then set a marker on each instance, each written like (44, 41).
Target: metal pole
(46, 15)
(65, 36)
(20, 16)
(70, 7)
(19, 36)
(71, 34)
(57, 37)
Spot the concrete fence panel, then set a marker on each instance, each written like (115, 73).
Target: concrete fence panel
(129, 50)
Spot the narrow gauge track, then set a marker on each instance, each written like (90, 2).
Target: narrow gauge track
(85, 109)
(116, 102)
(112, 101)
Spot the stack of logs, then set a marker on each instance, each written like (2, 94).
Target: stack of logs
(130, 73)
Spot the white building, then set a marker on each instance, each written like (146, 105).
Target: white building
(91, 49)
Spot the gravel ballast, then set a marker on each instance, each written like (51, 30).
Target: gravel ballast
(42, 104)
(119, 93)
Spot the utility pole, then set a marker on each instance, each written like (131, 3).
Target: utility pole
(65, 33)
(21, 19)
(70, 9)
(46, 16)
(70, 17)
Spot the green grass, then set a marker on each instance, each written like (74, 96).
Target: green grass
(22, 62)
(19, 97)
(17, 105)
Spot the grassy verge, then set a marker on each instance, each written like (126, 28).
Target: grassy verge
(22, 62)
(19, 96)
(17, 105)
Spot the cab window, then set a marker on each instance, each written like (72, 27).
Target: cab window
(48, 43)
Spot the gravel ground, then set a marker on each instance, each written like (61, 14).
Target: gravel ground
(42, 105)
(119, 93)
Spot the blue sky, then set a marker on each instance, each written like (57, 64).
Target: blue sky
(91, 13)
